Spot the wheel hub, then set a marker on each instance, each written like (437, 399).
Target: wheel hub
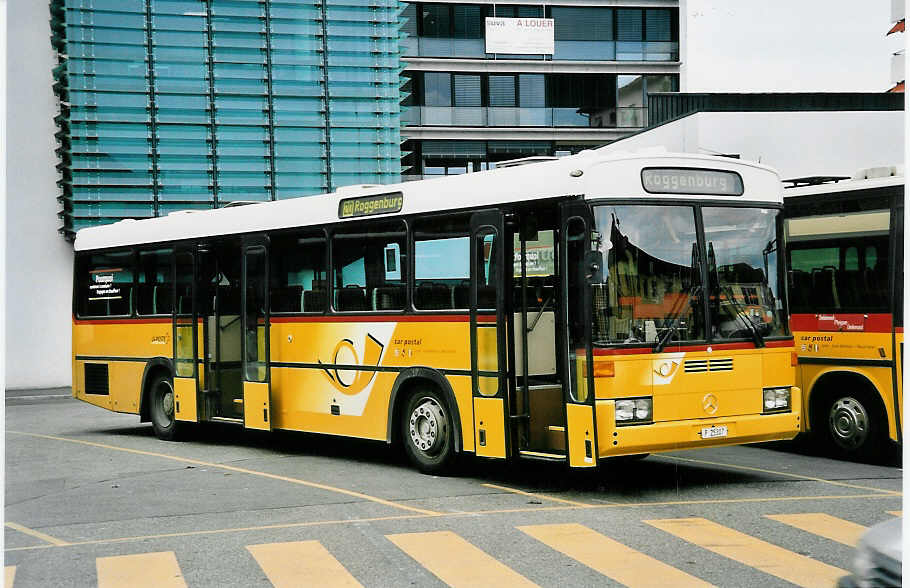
(427, 426)
(849, 423)
(167, 402)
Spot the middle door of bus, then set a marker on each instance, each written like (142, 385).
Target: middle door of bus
(257, 410)
(489, 358)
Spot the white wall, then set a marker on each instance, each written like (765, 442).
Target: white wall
(38, 260)
(795, 143)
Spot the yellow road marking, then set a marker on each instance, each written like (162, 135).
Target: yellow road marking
(771, 559)
(38, 534)
(222, 466)
(610, 558)
(786, 474)
(455, 561)
(451, 514)
(301, 563)
(9, 574)
(897, 513)
(139, 570)
(536, 495)
(823, 525)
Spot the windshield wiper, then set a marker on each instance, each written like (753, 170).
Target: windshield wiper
(677, 319)
(741, 314)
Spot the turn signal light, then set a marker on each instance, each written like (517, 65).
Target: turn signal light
(604, 369)
(794, 359)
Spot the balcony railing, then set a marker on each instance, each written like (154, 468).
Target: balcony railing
(563, 50)
(492, 116)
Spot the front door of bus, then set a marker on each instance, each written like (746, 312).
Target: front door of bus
(254, 293)
(580, 263)
(489, 375)
(185, 336)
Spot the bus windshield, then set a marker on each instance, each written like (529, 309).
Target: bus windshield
(652, 289)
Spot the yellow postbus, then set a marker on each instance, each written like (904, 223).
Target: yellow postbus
(570, 310)
(845, 249)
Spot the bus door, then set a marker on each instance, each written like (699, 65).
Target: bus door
(489, 365)
(185, 336)
(580, 265)
(254, 292)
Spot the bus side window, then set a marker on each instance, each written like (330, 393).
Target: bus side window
(105, 284)
(155, 287)
(370, 268)
(297, 268)
(442, 264)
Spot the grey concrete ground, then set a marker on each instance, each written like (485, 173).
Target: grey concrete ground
(84, 485)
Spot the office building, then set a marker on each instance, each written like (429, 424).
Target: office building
(572, 75)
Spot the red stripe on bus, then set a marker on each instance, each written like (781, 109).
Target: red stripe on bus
(687, 348)
(123, 321)
(870, 323)
(400, 318)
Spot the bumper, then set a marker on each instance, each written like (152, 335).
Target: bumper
(686, 434)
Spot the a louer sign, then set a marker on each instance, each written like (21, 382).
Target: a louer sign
(520, 36)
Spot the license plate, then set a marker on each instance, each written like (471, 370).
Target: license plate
(714, 432)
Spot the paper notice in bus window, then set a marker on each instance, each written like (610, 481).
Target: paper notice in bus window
(103, 285)
(841, 322)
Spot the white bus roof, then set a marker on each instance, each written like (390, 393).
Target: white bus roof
(845, 186)
(592, 174)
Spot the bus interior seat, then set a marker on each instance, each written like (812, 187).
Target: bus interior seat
(287, 299)
(486, 297)
(824, 287)
(145, 298)
(314, 300)
(388, 298)
(351, 298)
(802, 286)
(847, 288)
(461, 295)
(432, 296)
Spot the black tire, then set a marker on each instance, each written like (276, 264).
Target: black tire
(161, 408)
(427, 431)
(850, 424)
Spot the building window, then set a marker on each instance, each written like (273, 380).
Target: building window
(502, 90)
(437, 89)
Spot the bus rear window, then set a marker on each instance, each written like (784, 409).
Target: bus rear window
(104, 284)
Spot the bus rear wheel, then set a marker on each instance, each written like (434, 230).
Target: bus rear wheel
(852, 424)
(161, 408)
(426, 430)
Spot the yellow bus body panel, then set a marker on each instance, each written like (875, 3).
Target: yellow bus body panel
(851, 345)
(490, 418)
(132, 344)
(730, 384)
(256, 410)
(580, 425)
(185, 399)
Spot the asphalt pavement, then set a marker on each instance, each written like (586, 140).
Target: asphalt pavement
(93, 498)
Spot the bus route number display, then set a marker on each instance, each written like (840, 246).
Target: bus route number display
(369, 205)
(663, 180)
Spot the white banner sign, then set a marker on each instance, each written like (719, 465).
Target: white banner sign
(519, 36)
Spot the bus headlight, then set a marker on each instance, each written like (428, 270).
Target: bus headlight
(633, 410)
(776, 399)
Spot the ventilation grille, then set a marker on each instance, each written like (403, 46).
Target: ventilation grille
(696, 366)
(96, 379)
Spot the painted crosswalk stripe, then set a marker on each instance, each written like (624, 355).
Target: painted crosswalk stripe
(610, 558)
(142, 569)
(771, 559)
(301, 563)
(823, 525)
(455, 561)
(9, 574)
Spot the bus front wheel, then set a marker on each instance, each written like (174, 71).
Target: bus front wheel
(161, 408)
(852, 424)
(426, 430)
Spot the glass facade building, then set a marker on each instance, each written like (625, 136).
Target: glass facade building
(180, 104)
